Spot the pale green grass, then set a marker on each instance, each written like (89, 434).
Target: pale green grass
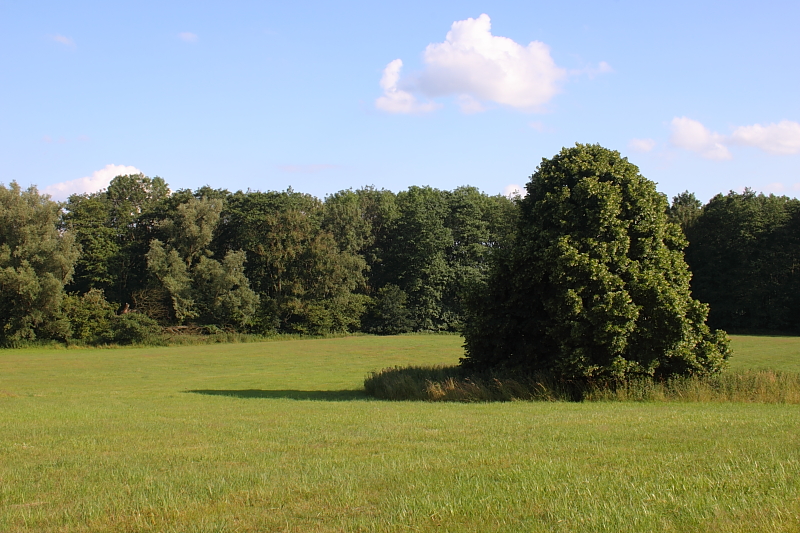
(279, 437)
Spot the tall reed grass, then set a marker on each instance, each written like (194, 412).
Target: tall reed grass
(451, 384)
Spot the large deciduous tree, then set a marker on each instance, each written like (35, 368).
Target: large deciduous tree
(306, 281)
(416, 255)
(198, 286)
(595, 286)
(114, 228)
(36, 260)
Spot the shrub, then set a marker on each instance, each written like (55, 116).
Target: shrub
(90, 317)
(134, 328)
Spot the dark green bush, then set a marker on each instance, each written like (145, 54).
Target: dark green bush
(93, 321)
(388, 314)
(90, 316)
(134, 328)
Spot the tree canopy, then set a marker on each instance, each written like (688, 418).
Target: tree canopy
(744, 253)
(36, 261)
(595, 285)
(583, 277)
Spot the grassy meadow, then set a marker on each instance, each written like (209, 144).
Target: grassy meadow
(279, 436)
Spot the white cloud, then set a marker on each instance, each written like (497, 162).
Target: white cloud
(472, 61)
(66, 41)
(782, 138)
(641, 145)
(395, 100)
(476, 66)
(98, 180)
(188, 37)
(306, 169)
(693, 136)
(514, 190)
(774, 187)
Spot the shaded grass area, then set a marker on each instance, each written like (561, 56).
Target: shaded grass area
(451, 384)
(319, 395)
(752, 378)
(254, 438)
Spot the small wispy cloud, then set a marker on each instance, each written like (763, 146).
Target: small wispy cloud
(641, 145)
(188, 37)
(66, 41)
(693, 136)
(305, 169)
(98, 180)
(779, 188)
(782, 138)
(513, 190)
(776, 187)
(593, 71)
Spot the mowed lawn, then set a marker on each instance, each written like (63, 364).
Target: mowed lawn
(277, 436)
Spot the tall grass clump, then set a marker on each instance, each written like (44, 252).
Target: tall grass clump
(454, 384)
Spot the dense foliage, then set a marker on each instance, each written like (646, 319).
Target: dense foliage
(36, 261)
(595, 284)
(112, 265)
(744, 253)
(116, 265)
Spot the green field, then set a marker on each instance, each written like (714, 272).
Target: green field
(278, 436)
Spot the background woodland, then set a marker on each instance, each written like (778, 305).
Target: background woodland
(119, 265)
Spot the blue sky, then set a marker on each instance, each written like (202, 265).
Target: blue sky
(265, 95)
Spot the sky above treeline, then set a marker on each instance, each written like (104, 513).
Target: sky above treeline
(324, 96)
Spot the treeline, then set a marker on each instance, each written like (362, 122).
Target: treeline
(116, 265)
(744, 254)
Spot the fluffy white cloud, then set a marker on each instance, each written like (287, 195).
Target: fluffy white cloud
(476, 66)
(693, 136)
(395, 100)
(471, 61)
(98, 180)
(66, 41)
(782, 138)
(641, 145)
(188, 37)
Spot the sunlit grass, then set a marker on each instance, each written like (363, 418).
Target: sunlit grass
(765, 352)
(279, 436)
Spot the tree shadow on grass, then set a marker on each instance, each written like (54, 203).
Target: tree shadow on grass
(318, 395)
